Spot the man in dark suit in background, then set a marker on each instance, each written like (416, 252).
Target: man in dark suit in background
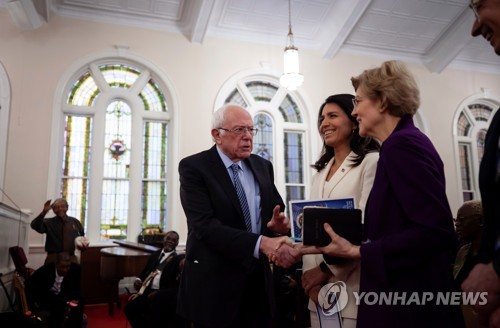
(53, 293)
(157, 283)
(485, 277)
(232, 214)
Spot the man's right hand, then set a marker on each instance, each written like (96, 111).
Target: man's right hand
(280, 251)
(47, 206)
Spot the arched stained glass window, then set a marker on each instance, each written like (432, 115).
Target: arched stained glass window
(84, 91)
(153, 98)
(236, 98)
(290, 111)
(281, 131)
(471, 125)
(263, 140)
(126, 170)
(262, 91)
(119, 76)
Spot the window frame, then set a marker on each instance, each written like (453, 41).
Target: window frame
(61, 108)
(485, 99)
(239, 81)
(4, 123)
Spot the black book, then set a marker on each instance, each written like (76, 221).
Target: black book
(345, 222)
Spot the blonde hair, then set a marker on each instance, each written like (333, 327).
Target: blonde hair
(392, 84)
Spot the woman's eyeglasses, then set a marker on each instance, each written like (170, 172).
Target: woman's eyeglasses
(356, 101)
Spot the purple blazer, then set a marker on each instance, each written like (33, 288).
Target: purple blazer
(410, 239)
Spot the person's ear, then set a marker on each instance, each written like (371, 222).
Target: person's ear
(216, 135)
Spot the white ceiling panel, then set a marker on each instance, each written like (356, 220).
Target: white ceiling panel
(434, 32)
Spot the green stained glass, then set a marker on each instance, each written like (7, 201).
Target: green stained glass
(294, 158)
(114, 208)
(154, 175)
(118, 144)
(480, 112)
(153, 98)
(75, 168)
(481, 137)
(236, 98)
(84, 91)
(294, 166)
(269, 124)
(262, 91)
(463, 125)
(290, 110)
(263, 141)
(465, 168)
(119, 76)
(117, 186)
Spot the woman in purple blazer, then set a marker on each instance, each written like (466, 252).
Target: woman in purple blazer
(406, 259)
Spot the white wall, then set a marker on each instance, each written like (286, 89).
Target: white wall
(35, 62)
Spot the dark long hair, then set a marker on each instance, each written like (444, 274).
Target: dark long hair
(359, 145)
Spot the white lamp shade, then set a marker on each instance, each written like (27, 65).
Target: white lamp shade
(291, 60)
(291, 78)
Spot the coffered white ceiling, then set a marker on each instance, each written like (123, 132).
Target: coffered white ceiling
(433, 32)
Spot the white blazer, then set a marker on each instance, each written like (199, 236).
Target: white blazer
(347, 181)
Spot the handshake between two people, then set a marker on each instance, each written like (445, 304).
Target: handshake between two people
(284, 252)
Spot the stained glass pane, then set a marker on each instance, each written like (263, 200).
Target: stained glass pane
(114, 209)
(76, 165)
(294, 165)
(294, 193)
(236, 98)
(84, 91)
(465, 167)
(117, 143)
(119, 76)
(263, 140)
(153, 98)
(463, 125)
(262, 91)
(481, 112)
(290, 110)
(481, 137)
(154, 174)
(293, 157)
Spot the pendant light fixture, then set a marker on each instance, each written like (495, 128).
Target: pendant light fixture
(291, 78)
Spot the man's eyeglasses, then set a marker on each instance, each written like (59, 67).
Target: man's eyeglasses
(241, 130)
(356, 101)
(475, 5)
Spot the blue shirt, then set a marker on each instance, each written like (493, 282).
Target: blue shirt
(252, 192)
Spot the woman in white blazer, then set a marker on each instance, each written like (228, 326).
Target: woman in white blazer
(346, 168)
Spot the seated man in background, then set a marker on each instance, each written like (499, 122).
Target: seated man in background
(61, 230)
(160, 275)
(469, 227)
(53, 293)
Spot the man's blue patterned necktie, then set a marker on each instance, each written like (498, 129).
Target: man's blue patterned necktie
(242, 197)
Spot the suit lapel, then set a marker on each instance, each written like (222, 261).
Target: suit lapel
(329, 186)
(221, 175)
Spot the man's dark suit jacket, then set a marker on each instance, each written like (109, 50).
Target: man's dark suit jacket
(410, 235)
(489, 184)
(169, 272)
(39, 283)
(219, 250)
(52, 308)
